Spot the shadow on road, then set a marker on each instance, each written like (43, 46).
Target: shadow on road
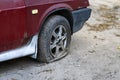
(18, 64)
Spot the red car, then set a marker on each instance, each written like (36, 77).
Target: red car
(41, 29)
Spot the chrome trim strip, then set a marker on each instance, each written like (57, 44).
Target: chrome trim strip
(29, 49)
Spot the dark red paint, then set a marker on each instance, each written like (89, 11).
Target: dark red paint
(18, 23)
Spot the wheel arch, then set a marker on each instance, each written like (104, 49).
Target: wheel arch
(62, 12)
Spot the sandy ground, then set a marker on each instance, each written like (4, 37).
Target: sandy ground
(94, 53)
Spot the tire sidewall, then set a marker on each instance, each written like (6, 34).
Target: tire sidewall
(48, 29)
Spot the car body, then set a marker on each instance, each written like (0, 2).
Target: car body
(21, 22)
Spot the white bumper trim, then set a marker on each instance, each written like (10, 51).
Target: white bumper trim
(29, 49)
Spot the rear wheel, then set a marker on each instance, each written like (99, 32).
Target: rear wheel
(54, 39)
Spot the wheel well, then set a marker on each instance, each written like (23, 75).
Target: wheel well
(65, 13)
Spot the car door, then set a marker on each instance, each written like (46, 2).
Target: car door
(12, 24)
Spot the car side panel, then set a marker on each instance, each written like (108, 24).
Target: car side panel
(45, 7)
(12, 24)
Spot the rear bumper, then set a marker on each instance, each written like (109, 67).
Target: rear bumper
(80, 17)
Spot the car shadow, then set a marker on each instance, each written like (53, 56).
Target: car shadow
(18, 64)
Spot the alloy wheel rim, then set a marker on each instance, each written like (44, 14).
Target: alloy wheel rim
(58, 42)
